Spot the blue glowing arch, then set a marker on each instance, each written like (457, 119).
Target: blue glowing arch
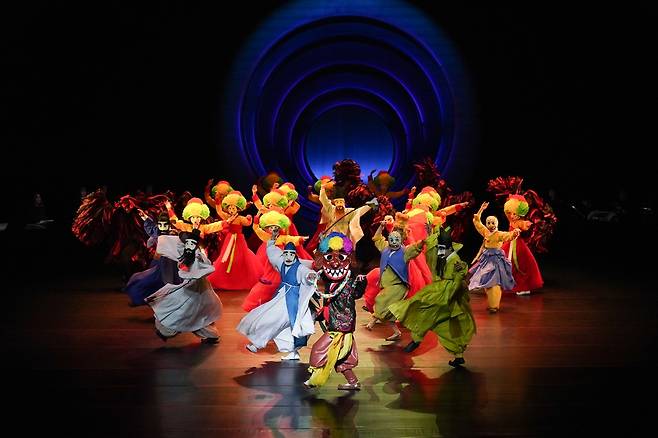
(312, 58)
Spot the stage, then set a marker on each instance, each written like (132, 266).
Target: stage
(564, 361)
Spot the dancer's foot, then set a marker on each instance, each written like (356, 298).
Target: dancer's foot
(457, 362)
(210, 341)
(350, 386)
(395, 337)
(371, 324)
(523, 292)
(251, 347)
(291, 356)
(411, 346)
(492, 310)
(161, 336)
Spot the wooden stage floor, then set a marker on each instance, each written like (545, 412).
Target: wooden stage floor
(570, 360)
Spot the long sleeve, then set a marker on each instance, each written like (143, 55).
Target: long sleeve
(274, 255)
(380, 242)
(152, 231)
(212, 228)
(413, 251)
(451, 209)
(181, 225)
(356, 232)
(521, 224)
(258, 203)
(151, 228)
(506, 236)
(293, 208)
(479, 226)
(326, 203)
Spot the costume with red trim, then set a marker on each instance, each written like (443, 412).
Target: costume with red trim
(237, 267)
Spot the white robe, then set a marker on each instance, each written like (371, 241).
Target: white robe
(270, 320)
(191, 305)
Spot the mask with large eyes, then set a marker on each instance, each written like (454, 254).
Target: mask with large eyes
(289, 257)
(491, 223)
(163, 227)
(394, 240)
(441, 250)
(336, 264)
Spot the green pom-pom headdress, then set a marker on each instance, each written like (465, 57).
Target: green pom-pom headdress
(196, 207)
(516, 204)
(234, 198)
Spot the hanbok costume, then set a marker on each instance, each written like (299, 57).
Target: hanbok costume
(268, 282)
(524, 266)
(237, 267)
(443, 305)
(161, 271)
(286, 318)
(191, 306)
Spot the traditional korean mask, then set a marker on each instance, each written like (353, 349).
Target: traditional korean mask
(394, 240)
(190, 244)
(231, 209)
(339, 203)
(492, 223)
(336, 264)
(289, 257)
(164, 227)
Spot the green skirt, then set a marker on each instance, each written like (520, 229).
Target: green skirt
(442, 307)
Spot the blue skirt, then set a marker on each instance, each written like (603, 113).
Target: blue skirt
(491, 269)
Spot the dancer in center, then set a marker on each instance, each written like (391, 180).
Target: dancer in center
(336, 348)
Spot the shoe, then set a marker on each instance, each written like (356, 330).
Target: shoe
(292, 356)
(523, 292)
(394, 337)
(161, 336)
(350, 386)
(457, 362)
(308, 385)
(411, 346)
(210, 341)
(492, 309)
(252, 348)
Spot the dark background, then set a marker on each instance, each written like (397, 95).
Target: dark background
(131, 95)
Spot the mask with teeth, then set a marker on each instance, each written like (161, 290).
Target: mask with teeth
(336, 264)
(334, 256)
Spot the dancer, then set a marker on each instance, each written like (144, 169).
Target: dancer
(394, 277)
(336, 348)
(195, 211)
(286, 318)
(162, 270)
(263, 290)
(191, 306)
(442, 306)
(341, 218)
(492, 270)
(237, 267)
(524, 266)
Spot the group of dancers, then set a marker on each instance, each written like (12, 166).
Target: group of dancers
(296, 284)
